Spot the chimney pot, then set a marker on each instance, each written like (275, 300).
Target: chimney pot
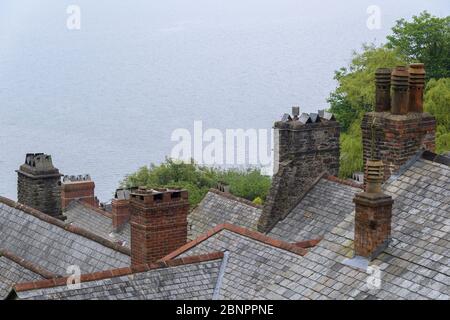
(400, 85)
(383, 90)
(416, 86)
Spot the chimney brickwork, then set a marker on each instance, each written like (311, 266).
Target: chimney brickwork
(373, 215)
(121, 208)
(158, 223)
(80, 188)
(39, 184)
(306, 145)
(395, 136)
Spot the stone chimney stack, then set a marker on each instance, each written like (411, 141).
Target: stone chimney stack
(395, 136)
(158, 223)
(383, 90)
(80, 188)
(39, 184)
(306, 145)
(373, 215)
(121, 208)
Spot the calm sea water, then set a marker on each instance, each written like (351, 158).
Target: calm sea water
(105, 99)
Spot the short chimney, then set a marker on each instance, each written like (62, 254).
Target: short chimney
(158, 223)
(400, 94)
(373, 214)
(223, 186)
(383, 90)
(80, 188)
(39, 184)
(121, 208)
(416, 87)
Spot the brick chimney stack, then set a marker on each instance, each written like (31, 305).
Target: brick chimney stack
(306, 145)
(39, 184)
(121, 208)
(373, 215)
(383, 90)
(80, 188)
(395, 136)
(158, 223)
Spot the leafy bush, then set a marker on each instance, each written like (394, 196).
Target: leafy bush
(248, 184)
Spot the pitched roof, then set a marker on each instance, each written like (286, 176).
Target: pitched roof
(14, 269)
(219, 207)
(194, 277)
(255, 261)
(414, 266)
(322, 208)
(50, 244)
(96, 221)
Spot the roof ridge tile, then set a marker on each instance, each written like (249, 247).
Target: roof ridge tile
(106, 274)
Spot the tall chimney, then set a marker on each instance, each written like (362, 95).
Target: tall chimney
(121, 208)
(80, 188)
(416, 87)
(306, 145)
(373, 214)
(39, 184)
(400, 85)
(158, 223)
(396, 136)
(383, 90)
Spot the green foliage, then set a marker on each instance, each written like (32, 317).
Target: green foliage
(248, 184)
(355, 93)
(426, 39)
(351, 151)
(258, 200)
(437, 102)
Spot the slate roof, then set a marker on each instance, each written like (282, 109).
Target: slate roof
(13, 271)
(322, 208)
(97, 221)
(255, 260)
(189, 278)
(219, 207)
(416, 265)
(50, 244)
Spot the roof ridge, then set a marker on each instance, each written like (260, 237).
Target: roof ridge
(27, 264)
(235, 198)
(93, 208)
(68, 227)
(280, 244)
(120, 272)
(332, 178)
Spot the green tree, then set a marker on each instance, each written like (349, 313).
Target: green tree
(424, 39)
(355, 93)
(248, 184)
(437, 102)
